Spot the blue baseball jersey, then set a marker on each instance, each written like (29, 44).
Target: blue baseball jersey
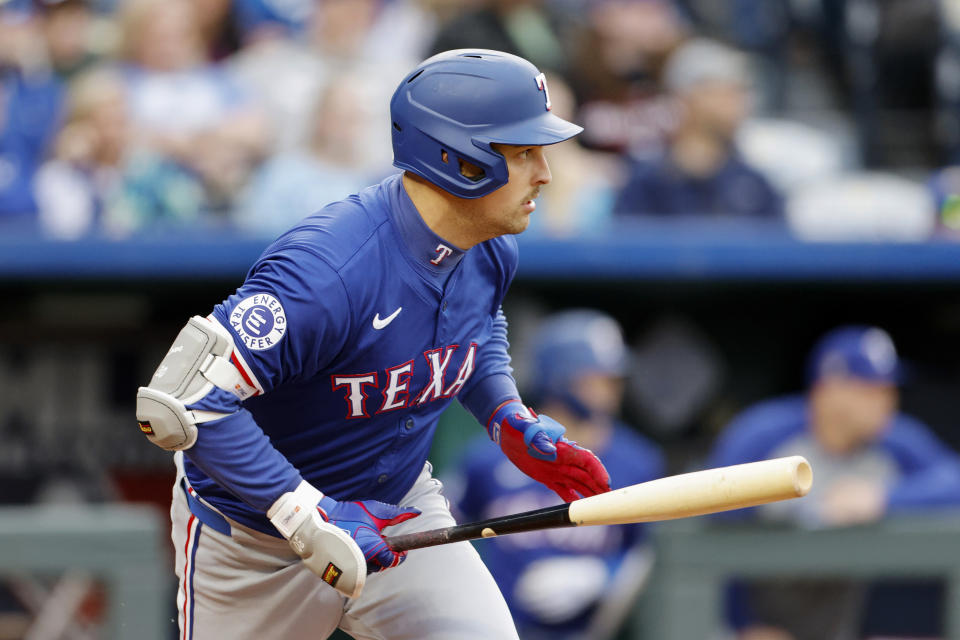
(490, 486)
(354, 331)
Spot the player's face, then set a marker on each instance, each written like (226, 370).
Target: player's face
(601, 393)
(508, 209)
(854, 412)
(719, 108)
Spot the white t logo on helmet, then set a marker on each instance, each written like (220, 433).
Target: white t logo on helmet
(542, 86)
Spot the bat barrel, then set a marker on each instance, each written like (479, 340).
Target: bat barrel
(698, 493)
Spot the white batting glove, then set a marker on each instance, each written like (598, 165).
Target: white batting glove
(326, 549)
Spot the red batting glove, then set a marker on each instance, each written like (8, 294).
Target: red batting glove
(537, 446)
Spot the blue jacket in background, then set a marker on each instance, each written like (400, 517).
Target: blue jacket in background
(659, 188)
(29, 119)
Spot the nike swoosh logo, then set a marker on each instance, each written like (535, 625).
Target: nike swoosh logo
(380, 324)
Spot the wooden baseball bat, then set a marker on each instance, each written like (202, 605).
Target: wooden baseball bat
(680, 496)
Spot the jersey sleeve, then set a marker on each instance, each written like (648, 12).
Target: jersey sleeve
(288, 320)
(236, 454)
(492, 383)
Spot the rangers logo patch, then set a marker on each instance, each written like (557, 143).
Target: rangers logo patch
(331, 574)
(259, 321)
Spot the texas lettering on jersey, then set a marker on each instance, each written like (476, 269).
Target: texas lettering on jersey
(357, 388)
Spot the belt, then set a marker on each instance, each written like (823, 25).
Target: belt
(204, 514)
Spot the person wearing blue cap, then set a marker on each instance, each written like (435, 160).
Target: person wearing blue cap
(566, 583)
(870, 460)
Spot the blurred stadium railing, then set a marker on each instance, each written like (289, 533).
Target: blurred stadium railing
(118, 546)
(685, 595)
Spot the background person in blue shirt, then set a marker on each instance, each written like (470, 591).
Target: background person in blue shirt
(700, 172)
(869, 459)
(579, 582)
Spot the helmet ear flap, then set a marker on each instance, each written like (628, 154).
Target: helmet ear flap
(467, 169)
(467, 175)
(457, 167)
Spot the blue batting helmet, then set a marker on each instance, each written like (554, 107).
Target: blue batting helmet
(573, 343)
(455, 104)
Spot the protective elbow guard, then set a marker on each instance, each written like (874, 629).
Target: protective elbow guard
(166, 422)
(198, 360)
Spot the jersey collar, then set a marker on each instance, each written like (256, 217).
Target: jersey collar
(429, 251)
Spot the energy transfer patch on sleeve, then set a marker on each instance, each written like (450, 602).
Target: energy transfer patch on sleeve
(259, 321)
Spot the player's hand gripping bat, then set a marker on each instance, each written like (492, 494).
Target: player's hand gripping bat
(680, 496)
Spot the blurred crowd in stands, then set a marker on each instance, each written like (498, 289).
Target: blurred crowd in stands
(835, 119)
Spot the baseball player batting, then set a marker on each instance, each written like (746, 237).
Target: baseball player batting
(303, 407)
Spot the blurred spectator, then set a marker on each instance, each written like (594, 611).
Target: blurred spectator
(218, 26)
(85, 170)
(701, 172)
(158, 194)
(259, 20)
(616, 73)
(68, 30)
(373, 40)
(567, 583)
(284, 73)
(94, 182)
(405, 28)
(532, 29)
(761, 27)
(869, 460)
(184, 108)
(293, 184)
(38, 43)
(29, 111)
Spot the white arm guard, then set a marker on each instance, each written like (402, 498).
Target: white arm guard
(326, 549)
(198, 360)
